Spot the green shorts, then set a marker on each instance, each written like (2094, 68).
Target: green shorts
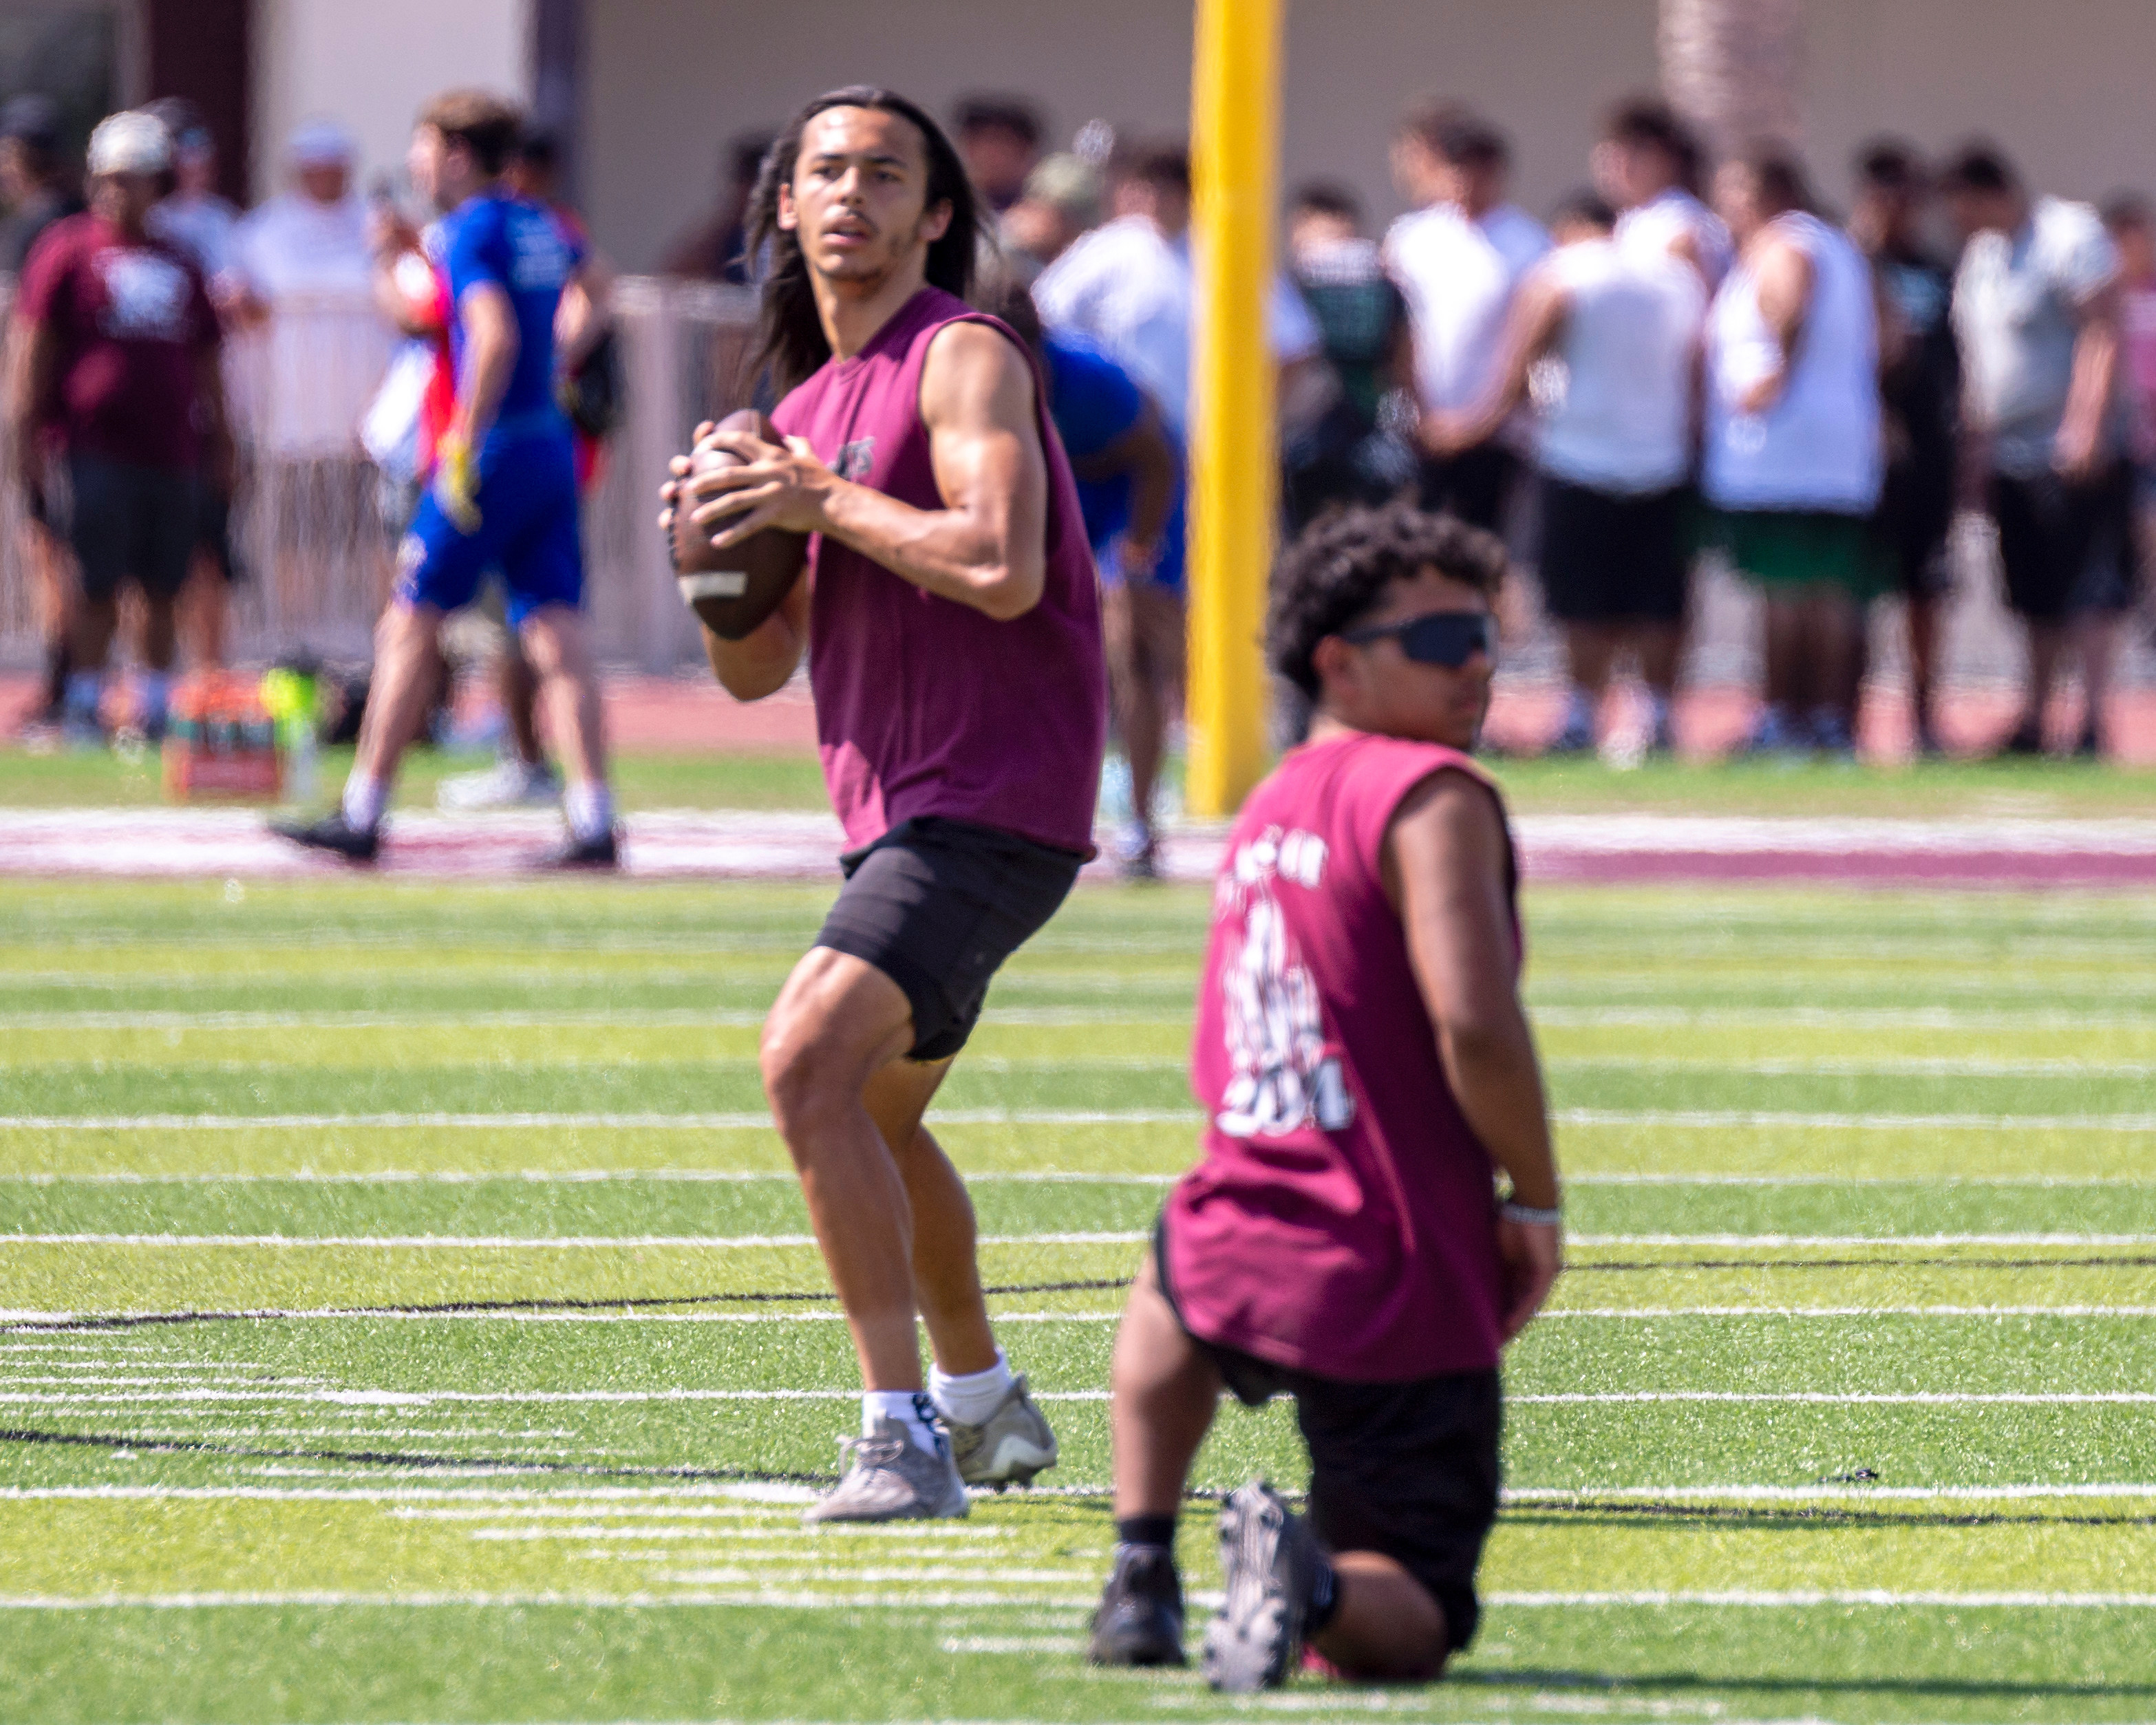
(1804, 547)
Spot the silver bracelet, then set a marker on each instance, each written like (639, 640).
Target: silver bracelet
(1527, 1216)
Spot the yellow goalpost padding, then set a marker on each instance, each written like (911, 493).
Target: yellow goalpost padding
(1234, 468)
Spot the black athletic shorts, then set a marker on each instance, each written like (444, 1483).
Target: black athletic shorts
(1609, 558)
(1915, 519)
(1410, 1470)
(937, 905)
(2068, 550)
(129, 523)
(1474, 485)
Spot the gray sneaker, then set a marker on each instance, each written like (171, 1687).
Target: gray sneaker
(1008, 1448)
(1270, 1557)
(890, 1478)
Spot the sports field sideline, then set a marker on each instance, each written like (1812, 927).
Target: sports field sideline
(409, 1317)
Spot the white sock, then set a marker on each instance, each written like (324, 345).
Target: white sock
(971, 1399)
(909, 1407)
(365, 798)
(153, 694)
(590, 808)
(84, 689)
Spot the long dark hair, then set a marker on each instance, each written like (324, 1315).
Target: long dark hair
(790, 339)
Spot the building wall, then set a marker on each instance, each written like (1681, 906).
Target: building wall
(370, 64)
(2061, 84)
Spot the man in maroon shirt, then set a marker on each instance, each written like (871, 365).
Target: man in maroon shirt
(1366, 1070)
(119, 358)
(961, 708)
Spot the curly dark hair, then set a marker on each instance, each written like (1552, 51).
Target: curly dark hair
(1339, 569)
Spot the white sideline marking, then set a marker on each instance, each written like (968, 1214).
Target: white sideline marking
(1878, 1066)
(513, 1242)
(659, 1017)
(767, 1499)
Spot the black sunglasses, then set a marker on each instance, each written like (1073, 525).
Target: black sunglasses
(1446, 638)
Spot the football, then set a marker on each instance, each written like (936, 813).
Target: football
(733, 590)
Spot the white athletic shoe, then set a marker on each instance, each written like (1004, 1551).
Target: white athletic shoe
(1271, 1558)
(507, 784)
(1008, 1447)
(892, 1479)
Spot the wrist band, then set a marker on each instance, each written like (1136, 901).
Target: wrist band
(1530, 1217)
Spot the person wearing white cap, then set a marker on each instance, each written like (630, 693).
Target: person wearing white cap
(313, 236)
(120, 366)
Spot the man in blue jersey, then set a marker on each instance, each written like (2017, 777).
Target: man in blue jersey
(1129, 469)
(505, 488)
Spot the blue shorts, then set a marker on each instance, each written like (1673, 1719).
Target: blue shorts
(527, 530)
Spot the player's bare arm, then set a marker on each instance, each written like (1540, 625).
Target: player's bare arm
(987, 547)
(35, 351)
(1532, 329)
(2079, 448)
(1444, 870)
(584, 316)
(1785, 276)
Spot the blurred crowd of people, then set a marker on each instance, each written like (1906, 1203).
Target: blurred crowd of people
(1682, 358)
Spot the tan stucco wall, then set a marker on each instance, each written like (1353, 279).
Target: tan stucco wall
(2062, 84)
(370, 64)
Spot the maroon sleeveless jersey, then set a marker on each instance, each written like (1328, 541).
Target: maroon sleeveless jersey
(1343, 1221)
(926, 706)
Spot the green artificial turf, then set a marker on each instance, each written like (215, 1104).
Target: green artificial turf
(471, 1362)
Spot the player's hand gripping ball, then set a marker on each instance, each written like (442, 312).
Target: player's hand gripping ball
(733, 589)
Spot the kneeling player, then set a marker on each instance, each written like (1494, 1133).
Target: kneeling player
(1367, 1070)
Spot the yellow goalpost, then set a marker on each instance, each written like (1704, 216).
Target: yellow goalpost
(1234, 468)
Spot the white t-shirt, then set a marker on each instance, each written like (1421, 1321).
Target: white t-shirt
(2016, 308)
(1458, 274)
(1130, 289)
(293, 244)
(202, 225)
(1655, 228)
(1817, 446)
(1615, 406)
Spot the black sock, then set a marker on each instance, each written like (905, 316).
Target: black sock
(1324, 1598)
(1147, 1530)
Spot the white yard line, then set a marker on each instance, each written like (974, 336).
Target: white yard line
(561, 1122)
(1797, 1598)
(730, 1242)
(1821, 1398)
(1526, 1496)
(1709, 1120)
(518, 1242)
(887, 1600)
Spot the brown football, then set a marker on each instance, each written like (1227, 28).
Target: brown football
(733, 590)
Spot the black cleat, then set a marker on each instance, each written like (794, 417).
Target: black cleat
(332, 833)
(603, 852)
(1139, 1621)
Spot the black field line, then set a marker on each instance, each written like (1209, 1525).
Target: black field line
(399, 1458)
(452, 1308)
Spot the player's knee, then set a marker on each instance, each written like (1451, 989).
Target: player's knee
(806, 1077)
